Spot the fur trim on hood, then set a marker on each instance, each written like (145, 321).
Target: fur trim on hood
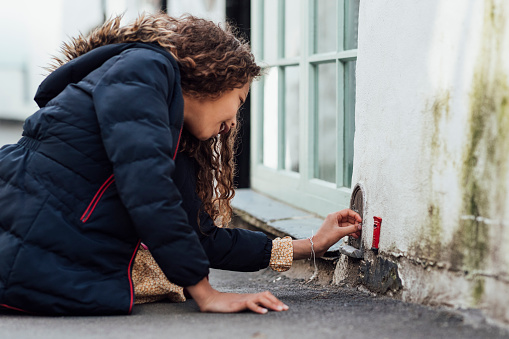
(157, 28)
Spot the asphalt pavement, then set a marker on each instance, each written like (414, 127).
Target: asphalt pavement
(315, 312)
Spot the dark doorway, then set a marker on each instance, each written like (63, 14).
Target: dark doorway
(164, 6)
(238, 12)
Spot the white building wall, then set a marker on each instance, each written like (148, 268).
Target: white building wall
(432, 146)
(32, 31)
(214, 10)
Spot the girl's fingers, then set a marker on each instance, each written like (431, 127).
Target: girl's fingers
(353, 216)
(262, 302)
(270, 304)
(347, 223)
(265, 302)
(354, 219)
(250, 304)
(348, 230)
(347, 217)
(278, 304)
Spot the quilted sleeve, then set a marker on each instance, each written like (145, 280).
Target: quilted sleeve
(132, 102)
(227, 249)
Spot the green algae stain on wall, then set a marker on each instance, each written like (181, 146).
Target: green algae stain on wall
(439, 109)
(478, 290)
(428, 245)
(431, 244)
(485, 157)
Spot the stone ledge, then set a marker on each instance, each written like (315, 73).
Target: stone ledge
(258, 212)
(276, 218)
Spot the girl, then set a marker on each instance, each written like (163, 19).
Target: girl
(133, 143)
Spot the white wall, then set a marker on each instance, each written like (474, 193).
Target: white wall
(432, 145)
(214, 10)
(32, 31)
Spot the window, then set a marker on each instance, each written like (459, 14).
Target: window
(303, 107)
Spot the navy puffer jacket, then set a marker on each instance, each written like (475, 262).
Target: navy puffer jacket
(94, 175)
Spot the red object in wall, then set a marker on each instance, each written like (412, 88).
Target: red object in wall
(376, 233)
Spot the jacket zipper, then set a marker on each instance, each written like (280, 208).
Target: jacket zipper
(97, 197)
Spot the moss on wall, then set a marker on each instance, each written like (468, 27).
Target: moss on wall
(439, 108)
(478, 290)
(485, 157)
(484, 166)
(429, 245)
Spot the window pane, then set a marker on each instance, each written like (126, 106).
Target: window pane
(292, 118)
(351, 23)
(325, 133)
(270, 118)
(325, 26)
(270, 31)
(349, 121)
(292, 28)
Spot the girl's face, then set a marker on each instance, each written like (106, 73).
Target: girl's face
(206, 118)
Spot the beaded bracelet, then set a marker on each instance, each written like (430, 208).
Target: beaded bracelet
(313, 255)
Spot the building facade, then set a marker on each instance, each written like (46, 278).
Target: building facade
(408, 102)
(397, 108)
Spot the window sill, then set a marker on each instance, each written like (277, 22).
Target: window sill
(277, 219)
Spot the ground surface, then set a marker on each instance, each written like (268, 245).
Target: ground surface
(315, 312)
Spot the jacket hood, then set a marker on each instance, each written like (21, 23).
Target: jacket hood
(78, 68)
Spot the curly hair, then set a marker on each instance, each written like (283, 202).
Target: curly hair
(212, 61)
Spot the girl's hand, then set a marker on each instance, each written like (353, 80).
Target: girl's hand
(210, 300)
(233, 302)
(336, 226)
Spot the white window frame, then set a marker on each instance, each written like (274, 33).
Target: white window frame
(301, 189)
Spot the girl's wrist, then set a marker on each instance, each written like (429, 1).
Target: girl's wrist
(319, 246)
(302, 249)
(201, 291)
